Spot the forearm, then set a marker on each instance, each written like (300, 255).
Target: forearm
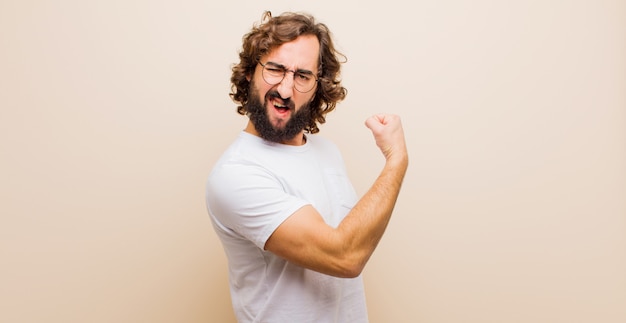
(363, 227)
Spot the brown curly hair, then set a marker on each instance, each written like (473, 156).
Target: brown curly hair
(275, 31)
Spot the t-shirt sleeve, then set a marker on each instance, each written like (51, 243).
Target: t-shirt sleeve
(249, 201)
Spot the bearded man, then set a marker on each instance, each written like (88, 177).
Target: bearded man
(295, 234)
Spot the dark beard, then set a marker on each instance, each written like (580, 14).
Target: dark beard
(258, 116)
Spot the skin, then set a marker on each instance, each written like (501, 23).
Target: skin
(304, 238)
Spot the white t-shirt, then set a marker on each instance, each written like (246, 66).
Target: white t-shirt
(252, 189)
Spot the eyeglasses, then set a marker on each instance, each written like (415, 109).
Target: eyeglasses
(303, 80)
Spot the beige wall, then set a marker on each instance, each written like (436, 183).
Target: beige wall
(513, 209)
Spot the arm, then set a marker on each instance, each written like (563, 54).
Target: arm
(305, 239)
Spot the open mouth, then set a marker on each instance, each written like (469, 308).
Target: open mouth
(280, 107)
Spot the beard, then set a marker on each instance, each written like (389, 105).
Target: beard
(257, 112)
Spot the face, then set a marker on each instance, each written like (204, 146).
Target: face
(282, 130)
(278, 112)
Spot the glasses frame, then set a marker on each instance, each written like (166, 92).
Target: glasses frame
(285, 70)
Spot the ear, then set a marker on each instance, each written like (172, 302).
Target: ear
(248, 77)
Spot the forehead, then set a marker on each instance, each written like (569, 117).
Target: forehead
(300, 53)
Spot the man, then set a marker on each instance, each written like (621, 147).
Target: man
(295, 234)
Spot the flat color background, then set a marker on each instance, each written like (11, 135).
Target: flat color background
(513, 209)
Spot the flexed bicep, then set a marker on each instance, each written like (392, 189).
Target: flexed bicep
(306, 240)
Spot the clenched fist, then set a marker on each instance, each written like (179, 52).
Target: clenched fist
(389, 136)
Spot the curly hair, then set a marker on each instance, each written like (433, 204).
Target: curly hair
(275, 31)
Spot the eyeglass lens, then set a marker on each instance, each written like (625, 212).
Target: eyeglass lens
(303, 81)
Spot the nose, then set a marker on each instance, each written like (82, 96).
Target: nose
(285, 87)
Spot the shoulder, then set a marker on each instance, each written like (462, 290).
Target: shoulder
(237, 166)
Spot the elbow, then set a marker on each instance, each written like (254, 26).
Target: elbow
(352, 272)
(351, 267)
(347, 259)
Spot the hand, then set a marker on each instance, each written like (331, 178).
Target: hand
(389, 135)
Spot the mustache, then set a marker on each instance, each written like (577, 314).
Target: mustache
(273, 94)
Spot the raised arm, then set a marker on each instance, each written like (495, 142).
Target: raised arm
(305, 239)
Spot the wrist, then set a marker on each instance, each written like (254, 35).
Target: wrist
(398, 160)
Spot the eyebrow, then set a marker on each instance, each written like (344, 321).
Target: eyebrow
(285, 68)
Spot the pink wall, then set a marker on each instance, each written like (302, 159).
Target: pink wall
(513, 209)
